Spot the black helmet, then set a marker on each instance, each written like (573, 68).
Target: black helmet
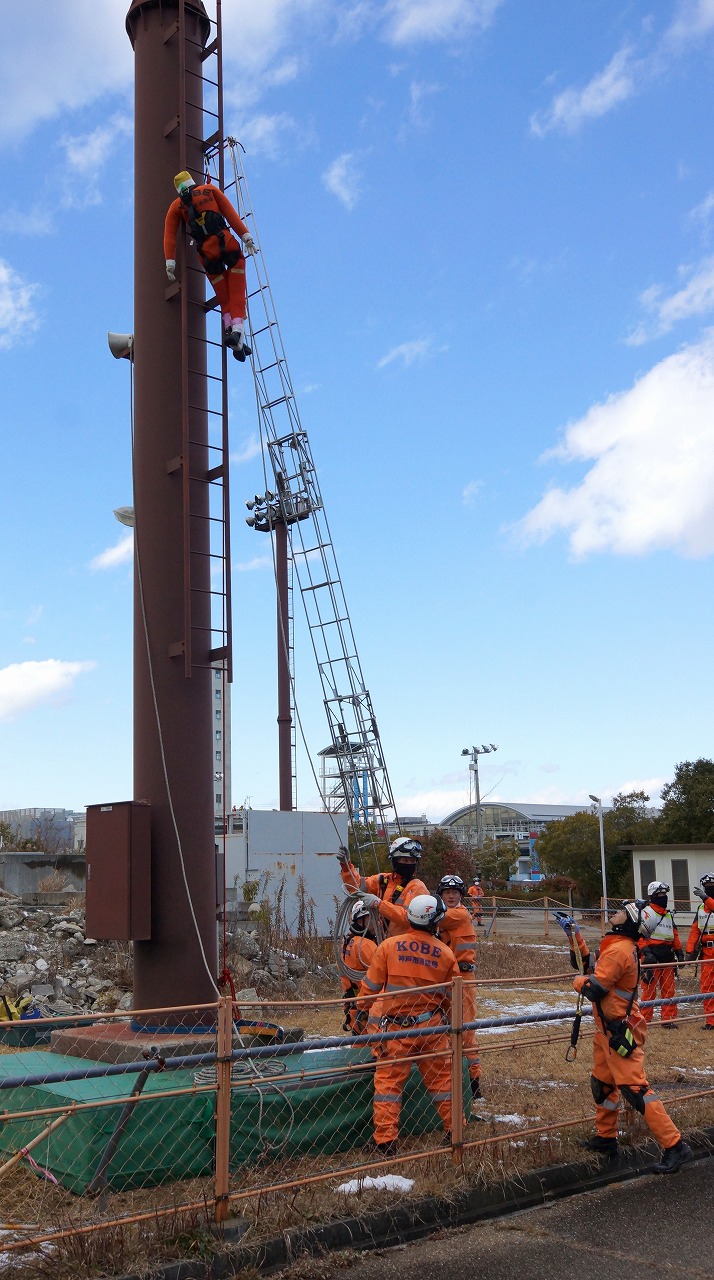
(451, 882)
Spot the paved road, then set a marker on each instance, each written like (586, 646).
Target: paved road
(653, 1228)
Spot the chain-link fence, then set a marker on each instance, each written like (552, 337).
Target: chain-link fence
(127, 1122)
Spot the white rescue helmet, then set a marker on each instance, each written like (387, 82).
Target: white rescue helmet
(359, 912)
(642, 915)
(707, 882)
(425, 911)
(657, 886)
(405, 847)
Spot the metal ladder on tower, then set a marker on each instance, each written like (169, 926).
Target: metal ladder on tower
(206, 94)
(365, 791)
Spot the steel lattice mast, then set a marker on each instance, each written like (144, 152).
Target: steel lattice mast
(364, 789)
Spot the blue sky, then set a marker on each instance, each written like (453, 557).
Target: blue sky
(489, 229)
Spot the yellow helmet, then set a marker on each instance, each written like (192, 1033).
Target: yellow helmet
(183, 181)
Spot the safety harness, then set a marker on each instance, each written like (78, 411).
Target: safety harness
(204, 225)
(701, 944)
(621, 1038)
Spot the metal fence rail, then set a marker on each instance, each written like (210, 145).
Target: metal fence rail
(209, 1110)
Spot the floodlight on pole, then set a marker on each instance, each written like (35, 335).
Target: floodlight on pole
(473, 753)
(596, 800)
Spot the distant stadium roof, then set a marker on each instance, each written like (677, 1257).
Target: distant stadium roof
(528, 812)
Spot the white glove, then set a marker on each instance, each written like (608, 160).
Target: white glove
(699, 893)
(343, 856)
(370, 899)
(249, 244)
(171, 269)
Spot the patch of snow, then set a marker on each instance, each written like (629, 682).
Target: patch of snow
(389, 1182)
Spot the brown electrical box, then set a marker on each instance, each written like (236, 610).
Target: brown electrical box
(118, 856)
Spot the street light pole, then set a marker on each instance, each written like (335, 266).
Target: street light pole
(596, 800)
(473, 753)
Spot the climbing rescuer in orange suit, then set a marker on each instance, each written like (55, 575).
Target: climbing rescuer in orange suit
(661, 947)
(475, 896)
(457, 931)
(388, 889)
(701, 941)
(208, 215)
(610, 980)
(358, 950)
(413, 959)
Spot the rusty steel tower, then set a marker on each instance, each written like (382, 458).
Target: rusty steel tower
(179, 456)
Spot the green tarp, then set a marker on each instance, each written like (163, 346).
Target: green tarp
(173, 1138)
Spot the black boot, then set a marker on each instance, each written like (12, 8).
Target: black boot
(603, 1146)
(382, 1148)
(476, 1089)
(673, 1158)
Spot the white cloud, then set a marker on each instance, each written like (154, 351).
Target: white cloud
(18, 318)
(258, 562)
(85, 156)
(650, 786)
(470, 492)
(122, 553)
(435, 804)
(407, 352)
(411, 21)
(694, 18)
(55, 57)
(343, 179)
(419, 92)
(651, 482)
(571, 108)
(694, 299)
(271, 135)
(249, 449)
(25, 685)
(703, 211)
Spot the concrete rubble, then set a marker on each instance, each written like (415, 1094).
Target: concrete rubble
(44, 951)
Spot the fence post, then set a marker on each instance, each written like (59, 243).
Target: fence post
(547, 922)
(457, 1071)
(223, 1106)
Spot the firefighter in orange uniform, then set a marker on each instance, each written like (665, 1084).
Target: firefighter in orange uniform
(701, 935)
(661, 947)
(412, 959)
(476, 895)
(358, 950)
(388, 889)
(209, 215)
(457, 931)
(610, 980)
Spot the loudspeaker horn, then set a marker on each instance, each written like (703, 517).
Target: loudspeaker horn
(121, 345)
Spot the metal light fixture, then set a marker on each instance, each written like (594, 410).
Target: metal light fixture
(474, 753)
